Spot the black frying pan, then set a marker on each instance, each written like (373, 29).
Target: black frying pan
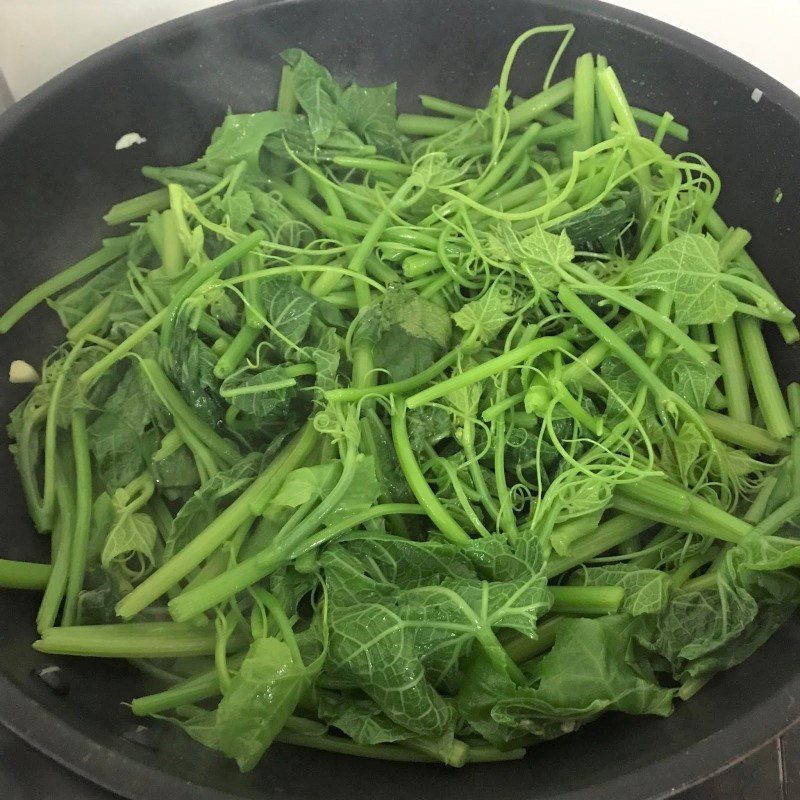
(59, 172)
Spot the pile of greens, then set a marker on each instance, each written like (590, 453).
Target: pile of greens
(417, 437)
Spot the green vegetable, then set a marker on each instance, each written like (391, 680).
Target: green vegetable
(423, 438)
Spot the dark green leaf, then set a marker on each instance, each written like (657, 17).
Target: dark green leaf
(599, 228)
(413, 333)
(264, 394)
(193, 363)
(117, 437)
(289, 310)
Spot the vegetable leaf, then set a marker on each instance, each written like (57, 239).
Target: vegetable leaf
(265, 394)
(646, 590)
(241, 137)
(206, 503)
(290, 310)
(688, 268)
(307, 483)
(133, 537)
(117, 437)
(372, 114)
(261, 697)
(414, 333)
(486, 316)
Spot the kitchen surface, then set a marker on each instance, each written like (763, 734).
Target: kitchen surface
(40, 38)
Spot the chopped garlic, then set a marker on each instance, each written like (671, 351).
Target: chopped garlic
(22, 372)
(128, 140)
(757, 95)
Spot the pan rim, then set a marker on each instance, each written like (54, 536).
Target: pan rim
(111, 769)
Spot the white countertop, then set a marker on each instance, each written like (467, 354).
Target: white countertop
(40, 38)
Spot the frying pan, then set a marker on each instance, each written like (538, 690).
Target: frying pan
(59, 172)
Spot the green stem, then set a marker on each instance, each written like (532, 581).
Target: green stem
(229, 361)
(493, 366)
(183, 414)
(132, 640)
(423, 125)
(581, 369)
(390, 752)
(122, 349)
(170, 444)
(743, 434)
(735, 240)
(567, 533)
(499, 408)
(169, 175)
(528, 110)
(355, 393)
(763, 379)
(23, 574)
(137, 207)
(584, 102)
(772, 523)
(197, 599)
(253, 312)
(173, 258)
(51, 436)
(362, 357)
(605, 116)
(562, 395)
(446, 107)
(610, 87)
(372, 164)
(65, 525)
(93, 321)
(734, 377)
(718, 228)
(616, 344)
(674, 129)
(504, 500)
(514, 179)
(521, 649)
(426, 497)
(83, 516)
(112, 249)
(793, 402)
(655, 338)
(758, 508)
(307, 210)
(690, 566)
(247, 506)
(287, 99)
(420, 264)
(592, 600)
(659, 493)
(652, 316)
(610, 534)
(192, 690)
(495, 173)
(202, 276)
(702, 517)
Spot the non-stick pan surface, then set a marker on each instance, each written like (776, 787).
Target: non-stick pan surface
(59, 172)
